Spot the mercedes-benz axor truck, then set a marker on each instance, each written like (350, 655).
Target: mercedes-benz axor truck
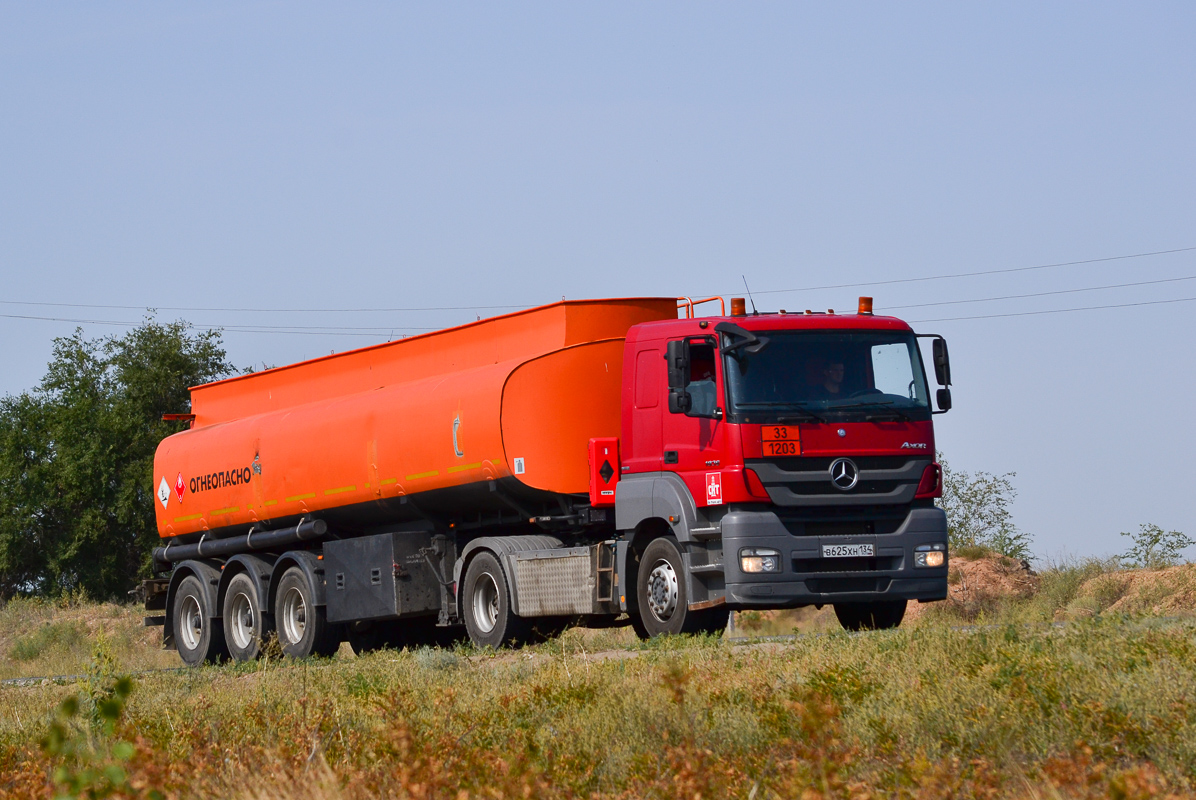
(596, 462)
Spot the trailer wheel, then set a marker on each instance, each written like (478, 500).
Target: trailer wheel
(195, 635)
(244, 627)
(486, 605)
(875, 616)
(303, 627)
(663, 596)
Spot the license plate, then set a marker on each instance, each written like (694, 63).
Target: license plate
(847, 550)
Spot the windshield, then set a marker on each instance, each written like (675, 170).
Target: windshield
(829, 375)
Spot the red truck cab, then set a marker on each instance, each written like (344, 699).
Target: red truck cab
(797, 452)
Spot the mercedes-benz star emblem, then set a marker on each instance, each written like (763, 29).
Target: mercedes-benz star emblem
(844, 473)
(842, 432)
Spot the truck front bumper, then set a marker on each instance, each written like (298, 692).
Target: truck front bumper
(806, 577)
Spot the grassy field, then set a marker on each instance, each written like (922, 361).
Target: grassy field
(1012, 706)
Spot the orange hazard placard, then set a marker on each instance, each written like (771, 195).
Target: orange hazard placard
(780, 440)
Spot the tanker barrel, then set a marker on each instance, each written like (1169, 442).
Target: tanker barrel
(305, 531)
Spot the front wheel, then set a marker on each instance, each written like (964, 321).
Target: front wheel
(303, 627)
(875, 616)
(663, 596)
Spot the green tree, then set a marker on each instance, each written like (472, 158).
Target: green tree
(76, 457)
(978, 515)
(1155, 548)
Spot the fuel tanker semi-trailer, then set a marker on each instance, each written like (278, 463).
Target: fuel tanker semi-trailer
(599, 462)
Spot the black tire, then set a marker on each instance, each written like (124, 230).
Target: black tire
(244, 623)
(198, 636)
(303, 627)
(485, 603)
(663, 596)
(875, 616)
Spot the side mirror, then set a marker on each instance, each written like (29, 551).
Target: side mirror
(677, 356)
(680, 401)
(942, 366)
(944, 399)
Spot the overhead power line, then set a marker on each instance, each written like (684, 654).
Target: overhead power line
(1041, 294)
(414, 309)
(1059, 310)
(978, 273)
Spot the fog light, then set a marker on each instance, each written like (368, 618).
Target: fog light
(930, 555)
(759, 559)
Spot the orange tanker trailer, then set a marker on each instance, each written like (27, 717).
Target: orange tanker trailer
(389, 494)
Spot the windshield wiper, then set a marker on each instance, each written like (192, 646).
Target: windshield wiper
(863, 404)
(802, 414)
(790, 408)
(887, 413)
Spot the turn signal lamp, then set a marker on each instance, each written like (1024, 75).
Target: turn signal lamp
(931, 485)
(759, 559)
(738, 307)
(866, 305)
(930, 555)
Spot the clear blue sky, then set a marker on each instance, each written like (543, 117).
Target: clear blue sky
(287, 157)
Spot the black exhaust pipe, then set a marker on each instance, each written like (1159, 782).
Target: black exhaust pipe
(305, 531)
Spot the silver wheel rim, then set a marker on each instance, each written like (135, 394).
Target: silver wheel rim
(191, 618)
(294, 615)
(242, 621)
(662, 590)
(485, 602)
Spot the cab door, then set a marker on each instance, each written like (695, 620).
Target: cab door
(693, 442)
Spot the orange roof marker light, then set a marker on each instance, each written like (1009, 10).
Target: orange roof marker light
(866, 305)
(738, 307)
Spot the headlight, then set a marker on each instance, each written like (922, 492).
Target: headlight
(930, 555)
(759, 559)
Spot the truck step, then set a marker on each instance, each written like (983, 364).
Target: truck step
(699, 569)
(706, 533)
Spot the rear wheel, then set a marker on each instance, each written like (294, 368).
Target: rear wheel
(486, 605)
(197, 635)
(303, 627)
(244, 627)
(875, 616)
(663, 596)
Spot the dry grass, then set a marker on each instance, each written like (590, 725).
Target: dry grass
(925, 711)
(1102, 707)
(41, 637)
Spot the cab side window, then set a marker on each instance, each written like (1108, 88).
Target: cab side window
(702, 384)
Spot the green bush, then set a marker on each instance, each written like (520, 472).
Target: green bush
(978, 514)
(1155, 548)
(60, 635)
